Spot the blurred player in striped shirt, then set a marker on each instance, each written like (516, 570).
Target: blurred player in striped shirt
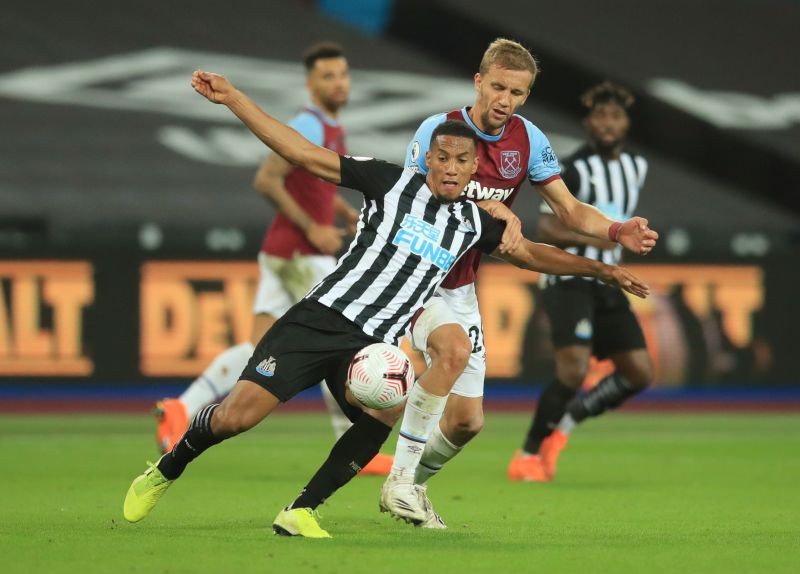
(589, 317)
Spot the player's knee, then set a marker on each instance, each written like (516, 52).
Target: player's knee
(572, 365)
(462, 427)
(459, 354)
(453, 353)
(571, 372)
(641, 377)
(470, 426)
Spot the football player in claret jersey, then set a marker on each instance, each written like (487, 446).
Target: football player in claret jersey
(412, 229)
(298, 248)
(510, 150)
(588, 317)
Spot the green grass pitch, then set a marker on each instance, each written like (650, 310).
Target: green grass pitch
(635, 493)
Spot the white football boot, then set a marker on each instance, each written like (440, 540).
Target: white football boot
(402, 499)
(432, 518)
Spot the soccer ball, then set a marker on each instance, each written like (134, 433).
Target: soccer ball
(380, 376)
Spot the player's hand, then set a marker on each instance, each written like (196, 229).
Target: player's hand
(624, 279)
(326, 238)
(213, 87)
(512, 236)
(635, 235)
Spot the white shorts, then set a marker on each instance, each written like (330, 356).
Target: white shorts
(285, 281)
(459, 306)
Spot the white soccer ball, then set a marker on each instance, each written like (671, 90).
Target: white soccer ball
(380, 376)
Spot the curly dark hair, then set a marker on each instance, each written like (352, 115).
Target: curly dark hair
(606, 92)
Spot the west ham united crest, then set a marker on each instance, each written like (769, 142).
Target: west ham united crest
(510, 164)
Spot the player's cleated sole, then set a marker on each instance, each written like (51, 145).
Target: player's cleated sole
(405, 519)
(144, 492)
(298, 522)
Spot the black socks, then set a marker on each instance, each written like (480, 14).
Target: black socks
(609, 393)
(197, 438)
(349, 455)
(551, 407)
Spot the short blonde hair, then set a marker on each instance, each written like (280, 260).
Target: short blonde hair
(509, 54)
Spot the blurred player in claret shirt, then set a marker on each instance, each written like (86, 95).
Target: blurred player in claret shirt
(589, 317)
(298, 248)
(510, 150)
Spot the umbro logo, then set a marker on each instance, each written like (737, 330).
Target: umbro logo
(266, 367)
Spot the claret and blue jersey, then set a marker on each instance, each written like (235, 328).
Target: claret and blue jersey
(519, 152)
(283, 238)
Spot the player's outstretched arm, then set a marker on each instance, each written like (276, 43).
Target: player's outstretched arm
(633, 234)
(285, 141)
(548, 259)
(550, 230)
(512, 236)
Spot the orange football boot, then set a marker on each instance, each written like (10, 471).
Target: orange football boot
(527, 468)
(171, 422)
(550, 450)
(380, 465)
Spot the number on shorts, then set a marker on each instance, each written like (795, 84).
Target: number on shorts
(475, 336)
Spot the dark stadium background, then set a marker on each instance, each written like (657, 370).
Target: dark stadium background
(112, 170)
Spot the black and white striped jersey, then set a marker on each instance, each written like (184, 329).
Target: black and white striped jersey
(612, 186)
(407, 240)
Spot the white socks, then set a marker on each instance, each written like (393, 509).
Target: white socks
(566, 424)
(218, 379)
(437, 452)
(422, 413)
(339, 421)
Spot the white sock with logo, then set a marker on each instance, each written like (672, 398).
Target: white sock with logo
(339, 421)
(422, 413)
(218, 379)
(437, 452)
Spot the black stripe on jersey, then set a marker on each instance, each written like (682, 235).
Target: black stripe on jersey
(404, 205)
(364, 239)
(447, 240)
(401, 277)
(609, 184)
(627, 184)
(591, 198)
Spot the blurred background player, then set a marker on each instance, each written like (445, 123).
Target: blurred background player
(510, 150)
(298, 249)
(587, 316)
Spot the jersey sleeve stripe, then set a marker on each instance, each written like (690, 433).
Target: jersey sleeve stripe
(548, 180)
